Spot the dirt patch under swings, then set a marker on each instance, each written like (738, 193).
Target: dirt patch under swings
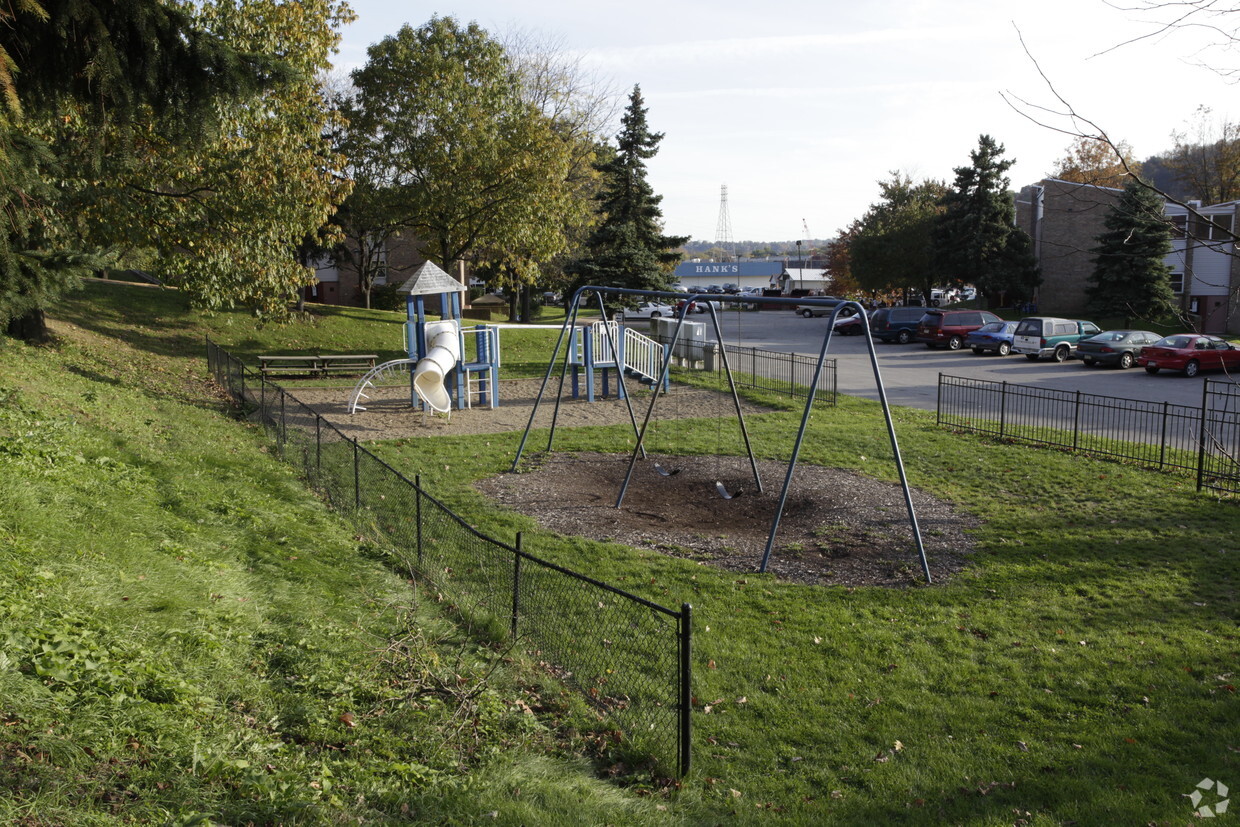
(838, 527)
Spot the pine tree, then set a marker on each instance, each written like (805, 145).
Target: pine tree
(628, 248)
(92, 67)
(977, 241)
(1131, 278)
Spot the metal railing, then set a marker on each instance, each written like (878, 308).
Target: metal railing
(788, 374)
(1219, 465)
(629, 657)
(1203, 439)
(642, 354)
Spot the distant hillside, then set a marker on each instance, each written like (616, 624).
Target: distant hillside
(746, 249)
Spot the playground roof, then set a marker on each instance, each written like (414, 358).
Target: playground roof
(428, 280)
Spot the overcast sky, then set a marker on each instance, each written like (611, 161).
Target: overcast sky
(800, 107)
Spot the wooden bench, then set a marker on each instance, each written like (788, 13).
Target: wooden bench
(300, 365)
(347, 363)
(318, 365)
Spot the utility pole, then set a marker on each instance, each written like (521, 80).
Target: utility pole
(805, 230)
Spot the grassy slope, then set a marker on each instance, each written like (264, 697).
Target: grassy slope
(1082, 672)
(185, 631)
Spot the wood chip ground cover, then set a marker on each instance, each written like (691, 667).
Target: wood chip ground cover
(839, 527)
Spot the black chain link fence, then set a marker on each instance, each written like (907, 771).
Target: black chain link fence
(628, 657)
(1203, 439)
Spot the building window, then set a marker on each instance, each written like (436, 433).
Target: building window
(1213, 228)
(1221, 227)
(1177, 283)
(1179, 225)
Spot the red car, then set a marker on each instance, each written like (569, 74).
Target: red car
(1189, 352)
(697, 306)
(849, 325)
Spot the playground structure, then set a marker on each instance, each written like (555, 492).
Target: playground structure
(604, 349)
(443, 377)
(640, 431)
(440, 377)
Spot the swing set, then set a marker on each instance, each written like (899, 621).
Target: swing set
(640, 431)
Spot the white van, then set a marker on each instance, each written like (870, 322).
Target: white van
(1038, 336)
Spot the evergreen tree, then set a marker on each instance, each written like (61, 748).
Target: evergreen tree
(628, 248)
(92, 67)
(977, 241)
(1131, 278)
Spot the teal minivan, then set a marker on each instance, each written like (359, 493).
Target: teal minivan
(1038, 336)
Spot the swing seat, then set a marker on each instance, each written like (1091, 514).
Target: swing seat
(663, 472)
(727, 495)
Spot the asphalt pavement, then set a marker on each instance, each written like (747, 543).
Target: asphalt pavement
(910, 373)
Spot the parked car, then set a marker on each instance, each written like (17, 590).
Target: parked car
(995, 337)
(1038, 336)
(849, 325)
(947, 328)
(896, 324)
(809, 311)
(647, 310)
(1189, 352)
(697, 305)
(1114, 347)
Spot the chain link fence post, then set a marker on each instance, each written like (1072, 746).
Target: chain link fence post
(357, 477)
(686, 692)
(516, 585)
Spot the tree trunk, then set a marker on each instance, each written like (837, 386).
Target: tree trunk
(31, 327)
(527, 295)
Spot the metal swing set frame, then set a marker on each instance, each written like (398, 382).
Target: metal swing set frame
(570, 321)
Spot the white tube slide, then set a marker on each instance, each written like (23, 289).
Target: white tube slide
(443, 342)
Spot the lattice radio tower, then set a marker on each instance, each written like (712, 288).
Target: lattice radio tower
(723, 230)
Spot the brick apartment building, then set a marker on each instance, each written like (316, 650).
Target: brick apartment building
(1065, 218)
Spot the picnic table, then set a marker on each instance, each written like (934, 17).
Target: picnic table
(346, 363)
(316, 365)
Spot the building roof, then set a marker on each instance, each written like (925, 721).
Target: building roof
(428, 280)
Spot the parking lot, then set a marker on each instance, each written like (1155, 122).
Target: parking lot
(910, 372)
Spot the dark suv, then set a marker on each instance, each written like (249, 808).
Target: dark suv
(947, 328)
(896, 324)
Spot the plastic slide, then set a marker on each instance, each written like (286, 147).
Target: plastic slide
(443, 342)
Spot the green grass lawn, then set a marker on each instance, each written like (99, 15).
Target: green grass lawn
(186, 625)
